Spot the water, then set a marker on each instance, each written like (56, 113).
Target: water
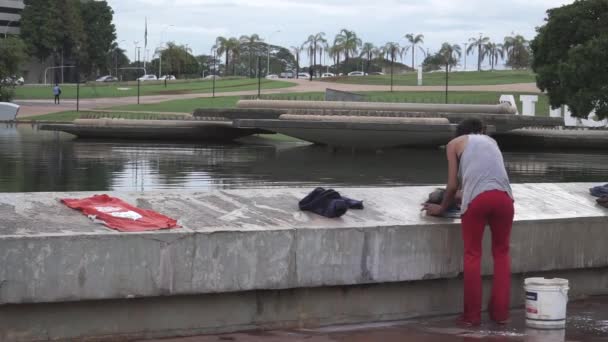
(33, 160)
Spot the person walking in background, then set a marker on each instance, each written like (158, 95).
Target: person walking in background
(486, 199)
(57, 93)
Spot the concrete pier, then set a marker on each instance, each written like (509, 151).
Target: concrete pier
(250, 259)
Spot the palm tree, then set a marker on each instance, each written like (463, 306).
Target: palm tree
(314, 42)
(368, 51)
(478, 44)
(221, 46)
(297, 51)
(393, 50)
(415, 40)
(517, 50)
(250, 42)
(451, 54)
(334, 52)
(233, 46)
(349, 41)
(494, 52)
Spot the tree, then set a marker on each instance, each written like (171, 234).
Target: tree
(349, 42)
(335, 52)
(368, 51)
(252, 45)
(314, 42)
(178, 60)
(222, 48)
(478, 44)
(297, 51)
(234, 46)
(415, 40)
(450, 55)
(494, 52)
(12, 54)
(393, 50)
(100, 33)
(40, 27)
(569, 57)
(517, 50)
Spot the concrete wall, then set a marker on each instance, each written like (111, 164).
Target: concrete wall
(257, 240)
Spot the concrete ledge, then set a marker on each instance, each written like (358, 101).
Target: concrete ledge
(245, 240)
(170, 316)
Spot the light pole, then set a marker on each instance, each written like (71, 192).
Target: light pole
(160, 49)
(268, 43)
(6, 29)
(135, 43)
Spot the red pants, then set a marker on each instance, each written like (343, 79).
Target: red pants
(496, 208)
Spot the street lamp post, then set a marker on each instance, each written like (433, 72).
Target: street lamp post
(268, 43)
(6, 29)
(465, 56)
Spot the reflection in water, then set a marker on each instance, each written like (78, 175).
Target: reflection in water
(32, 160)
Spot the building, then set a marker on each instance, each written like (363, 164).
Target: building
(10, 15)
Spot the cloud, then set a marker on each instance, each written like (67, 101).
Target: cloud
(198, 22)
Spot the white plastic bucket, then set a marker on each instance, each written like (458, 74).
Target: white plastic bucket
(546, 303)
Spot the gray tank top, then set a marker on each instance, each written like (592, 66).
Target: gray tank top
(481, 169)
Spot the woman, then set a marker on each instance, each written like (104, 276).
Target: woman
(486, 199)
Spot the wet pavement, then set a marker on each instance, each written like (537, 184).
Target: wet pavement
(587, 321)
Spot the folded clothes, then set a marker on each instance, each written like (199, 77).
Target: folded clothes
(599, 191)
(328, 203)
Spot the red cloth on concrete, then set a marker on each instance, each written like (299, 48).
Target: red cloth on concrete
(120, 215)
(496, 209)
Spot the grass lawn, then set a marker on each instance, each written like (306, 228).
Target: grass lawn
(438, 78)
(94, 90)
(188, 106)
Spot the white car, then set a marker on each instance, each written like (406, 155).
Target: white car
(147, 78)
(272, 77)
(328, 74)
(13, 80)
(303, 75)
(356, 73)
(167, 77)
(210, 77)
(108, 78)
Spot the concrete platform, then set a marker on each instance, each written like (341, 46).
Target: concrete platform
(249, 259)
(562, 138)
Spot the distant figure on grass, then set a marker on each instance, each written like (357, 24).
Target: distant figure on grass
(57, 93)
(486, 198)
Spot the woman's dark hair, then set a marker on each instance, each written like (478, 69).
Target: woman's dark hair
(470, 126)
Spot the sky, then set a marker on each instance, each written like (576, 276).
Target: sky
(197, 23)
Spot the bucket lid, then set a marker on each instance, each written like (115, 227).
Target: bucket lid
(546, 281)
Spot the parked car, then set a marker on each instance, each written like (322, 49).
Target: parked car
(210, 77)
(13, 80)
(376, 73)
(147, 78)
(327, 74)
(287, 74)
(303, 75)
(272, 77)
(107, 79)
(167, 77)
(356, 73)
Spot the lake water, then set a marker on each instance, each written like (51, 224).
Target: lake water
(33, 160)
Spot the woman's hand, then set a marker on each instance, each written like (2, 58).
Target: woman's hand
(432, 209)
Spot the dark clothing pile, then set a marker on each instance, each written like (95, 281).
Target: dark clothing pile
(328, 203)
(602, 193)
(436, 197)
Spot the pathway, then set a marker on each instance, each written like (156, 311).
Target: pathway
(40, 107)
